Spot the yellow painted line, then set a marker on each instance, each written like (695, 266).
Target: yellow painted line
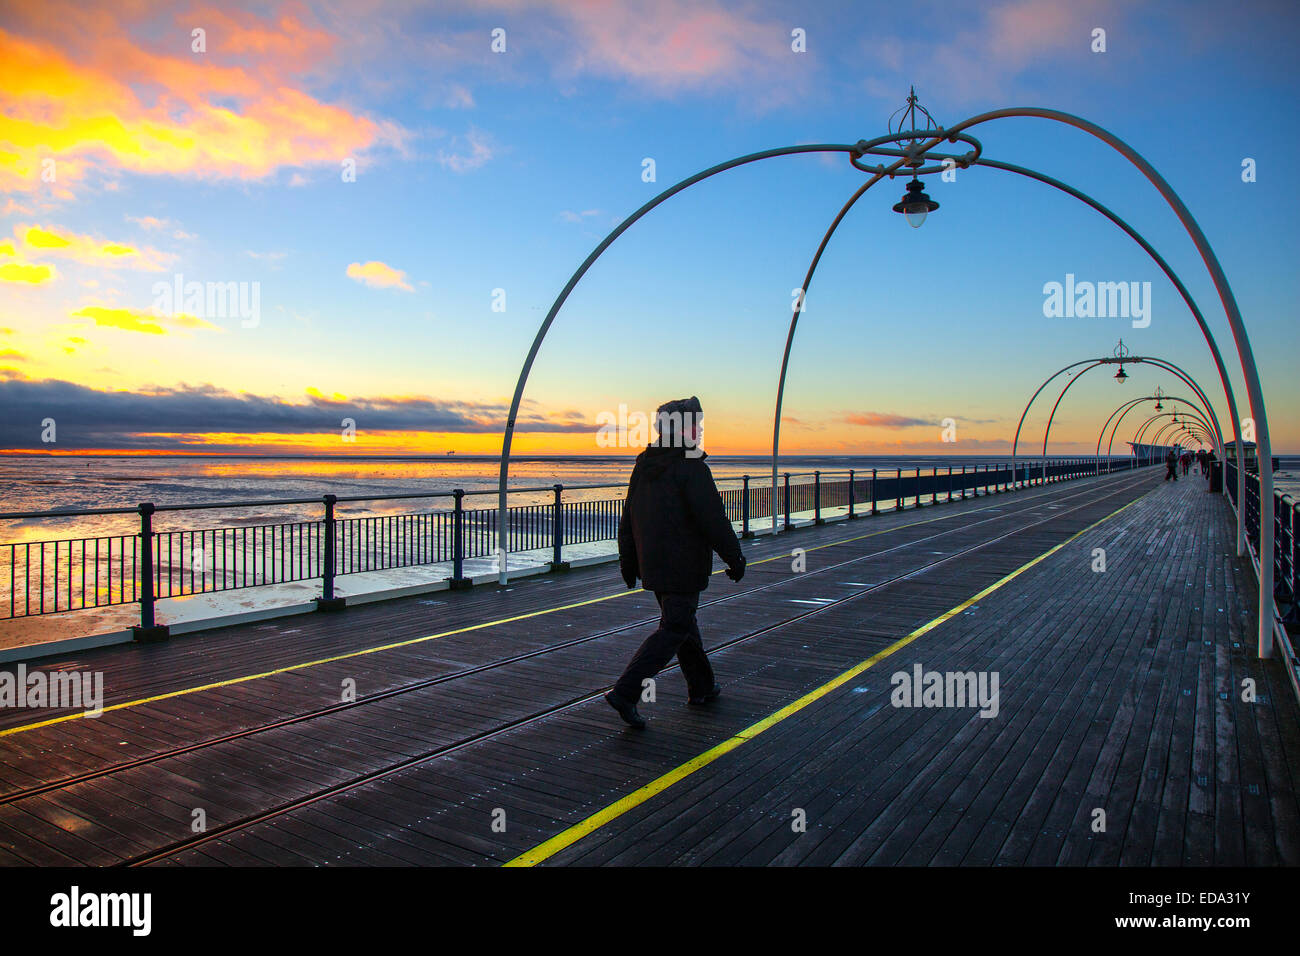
(573, 834)
(429, 637)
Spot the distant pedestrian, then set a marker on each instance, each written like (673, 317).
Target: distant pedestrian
(673, 520)
(1203, 461)
(1186, 460)
(1171, 465)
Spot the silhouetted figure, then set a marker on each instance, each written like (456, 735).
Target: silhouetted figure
(1186, 461)
(1203, 460)
(1171, 465)
(673, 521)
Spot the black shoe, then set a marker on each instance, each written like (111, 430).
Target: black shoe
(713, 694)
(626, 711)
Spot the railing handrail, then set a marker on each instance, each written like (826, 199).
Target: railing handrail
(406, 496)
(65, 575)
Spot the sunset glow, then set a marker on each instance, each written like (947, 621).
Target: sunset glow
(257, 222)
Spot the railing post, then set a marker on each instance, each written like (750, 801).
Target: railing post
(327, 601)
(950, 484)
(874, 509)
(557, 532)
(788, 523)
(898, 500)
(851, 515)
(458, 581)
(817, 498)
(1295, 559)
(744, 509)
(934, 485)
(963, 482)
(148, 631)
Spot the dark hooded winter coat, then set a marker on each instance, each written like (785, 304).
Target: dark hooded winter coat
(673, 521)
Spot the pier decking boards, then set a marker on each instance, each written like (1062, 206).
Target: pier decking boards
(478, 736)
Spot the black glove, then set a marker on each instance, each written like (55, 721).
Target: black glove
(629, 578)
(737, 571)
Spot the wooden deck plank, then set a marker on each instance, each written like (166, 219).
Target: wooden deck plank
(1114, 695)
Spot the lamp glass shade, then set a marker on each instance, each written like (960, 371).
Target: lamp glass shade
(915, 204)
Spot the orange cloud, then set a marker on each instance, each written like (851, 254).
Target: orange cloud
(23, 272)
(334, 397)
(379, 275)
(76, 87)
(883, 420)
(89, 250)
(133, 320)
(671, 45)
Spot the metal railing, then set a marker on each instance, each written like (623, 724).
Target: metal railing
(1286, 558)
(55, 576)
(1286, 549)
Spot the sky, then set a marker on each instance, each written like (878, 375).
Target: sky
(336, 227)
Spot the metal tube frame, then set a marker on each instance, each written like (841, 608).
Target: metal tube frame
(1127, 407)
(1148, 421)
(928, 140)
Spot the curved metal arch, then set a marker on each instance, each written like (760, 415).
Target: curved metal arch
(1115, 430)
(1113, 217)
(1141, 429)
(1194, 232)
(1191, 428)
(1250, 372)
(1183, 439)
(1055, 405)
(1015, 442)
(1154, 418)
(1131, 360)
(794, 321)
(1172, 437)
(1206, 404)
(1196, 435)
(1121, 411)
(1147, 423)
(508, 434)
(1124, 407)
(1169, 429)
(1165, 432)
(1227, 298)
(1159, 260)
(1127, 407)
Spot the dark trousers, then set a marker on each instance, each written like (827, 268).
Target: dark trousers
(1170, 471)
(678, 633)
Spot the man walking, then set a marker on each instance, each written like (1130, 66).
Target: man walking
(673, 521)
(1171, 465)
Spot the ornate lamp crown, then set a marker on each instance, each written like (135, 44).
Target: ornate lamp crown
(910, 127)
(907, 131)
